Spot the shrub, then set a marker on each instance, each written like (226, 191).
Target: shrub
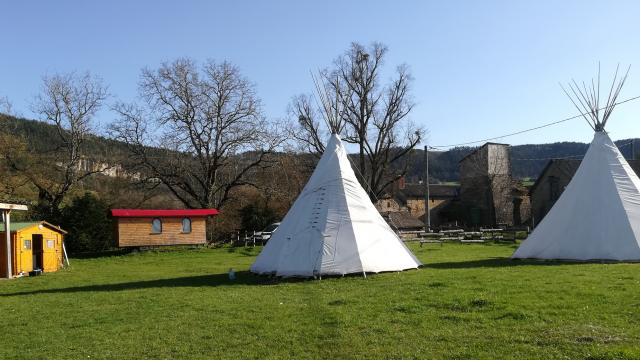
(88, 224)
(257, 217)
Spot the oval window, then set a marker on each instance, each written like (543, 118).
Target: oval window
(186, 225)
(156, 226)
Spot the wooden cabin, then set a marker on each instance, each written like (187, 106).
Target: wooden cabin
(34, 245)
(135, 228)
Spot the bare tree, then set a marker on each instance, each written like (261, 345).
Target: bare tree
(199, 130)
(5, 106)
(69, 102)
(375, 116)
(306, 131)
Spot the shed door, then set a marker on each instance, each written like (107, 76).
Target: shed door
(26, 254)
(50, 257)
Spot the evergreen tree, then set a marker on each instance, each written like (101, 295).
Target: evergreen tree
(88, 223)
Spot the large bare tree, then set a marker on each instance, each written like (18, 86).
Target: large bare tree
(199, 130)
(69, 102)
(375, 115)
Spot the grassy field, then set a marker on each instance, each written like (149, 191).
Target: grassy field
(468, 301)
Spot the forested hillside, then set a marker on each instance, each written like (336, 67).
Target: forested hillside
(527, 160)
(38, 135)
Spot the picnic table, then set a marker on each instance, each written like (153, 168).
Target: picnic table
(431, 238)
(466, 237)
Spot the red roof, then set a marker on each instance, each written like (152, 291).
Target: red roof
(162, 213)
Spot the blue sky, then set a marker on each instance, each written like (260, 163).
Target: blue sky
(481, 68)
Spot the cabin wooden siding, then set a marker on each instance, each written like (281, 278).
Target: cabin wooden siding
(136, 231)
(22, 257)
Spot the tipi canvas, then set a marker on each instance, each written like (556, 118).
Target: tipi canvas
(333, 228)
(598, 214)
(597, 217)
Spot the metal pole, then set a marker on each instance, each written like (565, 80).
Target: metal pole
(7, 232)
(427, 210)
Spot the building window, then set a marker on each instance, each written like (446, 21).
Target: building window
(186, 225)
(156, 226)
(27, 244)
(51, 244)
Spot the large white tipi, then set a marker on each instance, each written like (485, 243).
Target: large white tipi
(333, 228)
(597, 217)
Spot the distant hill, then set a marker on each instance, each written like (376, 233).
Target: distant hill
(527, 160)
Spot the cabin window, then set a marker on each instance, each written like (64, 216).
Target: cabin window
(156, 226)
(51, 244)
(27, 244)
(186, 225)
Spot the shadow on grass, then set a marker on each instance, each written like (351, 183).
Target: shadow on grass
(508, 262)
(246, 251)
(242, 278)
(101, 254)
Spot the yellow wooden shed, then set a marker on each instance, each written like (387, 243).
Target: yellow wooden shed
(35, 245)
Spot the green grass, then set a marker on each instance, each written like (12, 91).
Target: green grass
(468, 301)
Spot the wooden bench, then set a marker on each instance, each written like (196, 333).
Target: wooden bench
(452, 238)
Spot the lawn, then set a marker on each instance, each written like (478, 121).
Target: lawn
(468, 301)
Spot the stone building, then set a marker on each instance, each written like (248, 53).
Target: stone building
(409, 198)
(486, 187)
(521, 204)
(487, 195)
(551, 183)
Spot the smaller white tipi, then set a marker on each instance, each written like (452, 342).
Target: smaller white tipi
(597, 217)
(333, 228)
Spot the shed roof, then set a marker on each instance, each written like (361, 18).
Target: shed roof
(162, 213)
(17, 226)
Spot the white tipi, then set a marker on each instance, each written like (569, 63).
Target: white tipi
(333, 228)
(597, 217)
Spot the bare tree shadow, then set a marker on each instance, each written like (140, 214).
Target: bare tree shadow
(214, 280)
